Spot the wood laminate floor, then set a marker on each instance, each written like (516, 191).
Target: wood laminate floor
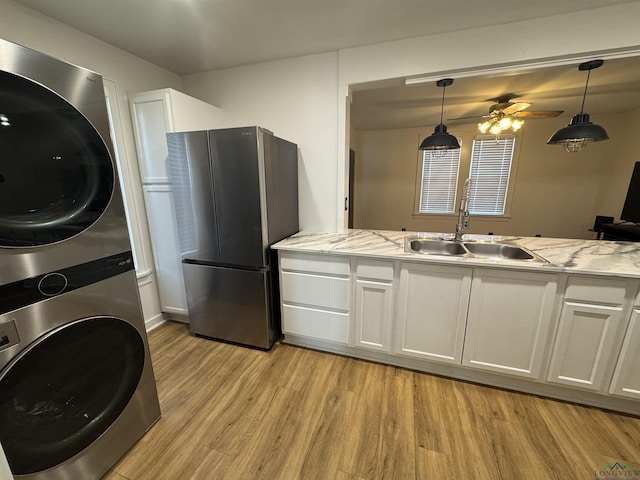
(229, 412)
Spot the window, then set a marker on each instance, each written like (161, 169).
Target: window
(489, 173)
(439, 181)
(489, 168)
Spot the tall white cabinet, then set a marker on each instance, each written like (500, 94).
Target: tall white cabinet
(155, 114)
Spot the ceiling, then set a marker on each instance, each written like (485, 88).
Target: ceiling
(613, 88)
(191, 36)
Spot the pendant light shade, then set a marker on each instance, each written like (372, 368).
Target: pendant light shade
(440, 139)
(575, 136)
(578, 133)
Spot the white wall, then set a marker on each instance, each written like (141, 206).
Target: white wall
(131, 74)
(297, 100)
(554, 193)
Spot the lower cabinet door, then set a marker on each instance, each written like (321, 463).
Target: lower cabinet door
(587, 346)
(626, 379)
(509, 321)
(432, 309)
(372, 314)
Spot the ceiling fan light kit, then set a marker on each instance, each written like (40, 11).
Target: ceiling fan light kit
(507, 115)
(440, 140)
(499, 123)
(580, 131)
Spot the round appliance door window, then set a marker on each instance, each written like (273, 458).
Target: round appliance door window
(61, 393)
(56, 175)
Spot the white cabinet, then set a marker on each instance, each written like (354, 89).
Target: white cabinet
(154, 114)
(432, 311)
(315, 295)
(590, 333)
(373, 304)
(626, 378)
(508, 326)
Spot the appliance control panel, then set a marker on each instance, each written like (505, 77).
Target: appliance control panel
(8, 335)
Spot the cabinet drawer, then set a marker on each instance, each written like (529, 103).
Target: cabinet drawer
(596, 290)
(315, 290)
(314, 323)
(303, 262)
(375, 270)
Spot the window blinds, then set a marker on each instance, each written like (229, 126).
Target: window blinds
(439, 181)
(489, 173)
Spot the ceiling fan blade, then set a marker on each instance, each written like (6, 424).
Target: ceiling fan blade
(539, 114)
(516, 107)
(478, 118)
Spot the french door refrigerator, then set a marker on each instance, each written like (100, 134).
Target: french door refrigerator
(235, 193)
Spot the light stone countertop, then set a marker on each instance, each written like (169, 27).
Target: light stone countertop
(595, 257)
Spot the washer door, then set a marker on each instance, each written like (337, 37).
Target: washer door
(56, 175)
(66, 389)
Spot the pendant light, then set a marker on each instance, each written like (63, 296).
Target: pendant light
(580, 131)
(440, 140)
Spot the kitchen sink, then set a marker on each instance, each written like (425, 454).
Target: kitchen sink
(499, 250)
(450, 248)
(436, 247)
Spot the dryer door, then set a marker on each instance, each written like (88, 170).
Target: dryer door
(66, 389)
(56, 175)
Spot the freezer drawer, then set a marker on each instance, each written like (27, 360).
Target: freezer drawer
(231, 305)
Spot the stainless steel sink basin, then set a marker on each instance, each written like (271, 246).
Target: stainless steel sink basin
(499, 250)
(450, 248)
(436, 247)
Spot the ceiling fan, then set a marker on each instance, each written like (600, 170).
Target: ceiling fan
(504, 105)
(505, 115)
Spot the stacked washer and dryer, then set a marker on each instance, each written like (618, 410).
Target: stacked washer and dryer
(76, 384)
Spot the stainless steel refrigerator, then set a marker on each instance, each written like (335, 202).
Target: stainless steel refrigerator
(235, 193)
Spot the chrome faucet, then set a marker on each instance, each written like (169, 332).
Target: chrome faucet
(463, 211)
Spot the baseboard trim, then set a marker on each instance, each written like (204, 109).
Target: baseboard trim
(154, 322)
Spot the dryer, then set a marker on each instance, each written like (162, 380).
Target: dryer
(76, 384)
(60, 202)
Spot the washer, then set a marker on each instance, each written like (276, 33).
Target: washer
(60, 201)
(76, 384)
